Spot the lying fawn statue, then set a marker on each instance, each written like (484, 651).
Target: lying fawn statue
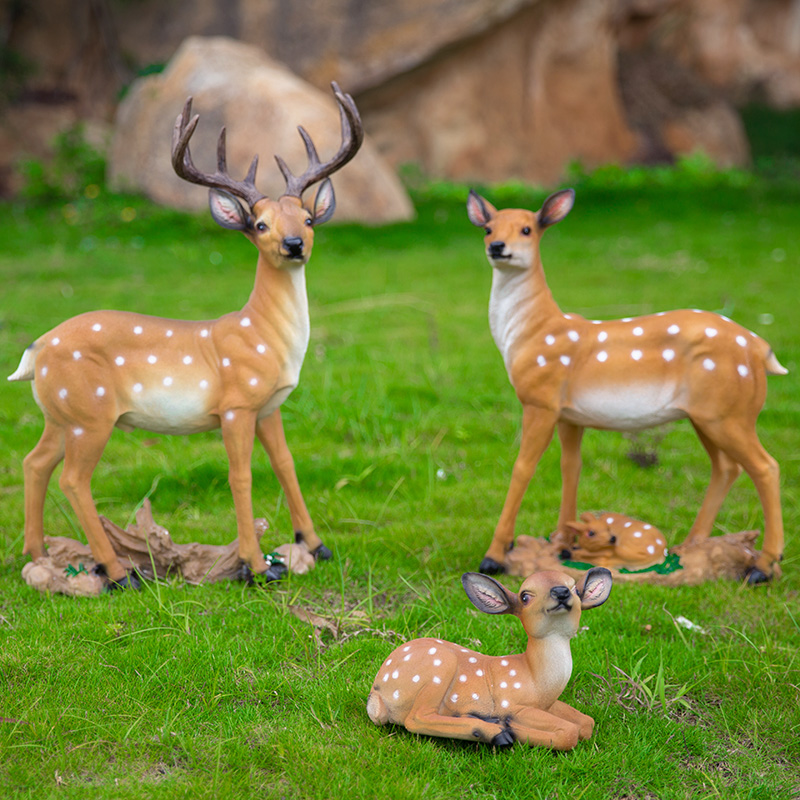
(442, 689)
(614, 540)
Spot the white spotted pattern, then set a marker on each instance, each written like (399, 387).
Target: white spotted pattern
(711, 332)
(245, 323)
(573, 335)
(62, 393)
(187, 360)
(137, 330)
(602, 336)
(742, 370)
(638, 330)
(97, 327)
(76, 354)
(44, 371)
(100, 391)
(167, 381)
(226, 362)
(151, 359)
(204, 384)
(673, 329)
(437, 679)
(636, 355)
(564, 360)
(119, 361)
(204, 333)
(55, 340)
(78, 431)
(137, 387)
(261, 348)
(741, 341)
(550, 339)
(668, 355)
(602, 356)
(541, 361)
(709, 364)
(415, 679)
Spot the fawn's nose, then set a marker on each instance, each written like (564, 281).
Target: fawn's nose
(560, 593)
(613, 540)
(496, 249)
(293, 245)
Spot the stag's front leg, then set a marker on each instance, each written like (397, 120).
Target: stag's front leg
(537, 430)
(238, 432)
(570, 436)
(270, 433)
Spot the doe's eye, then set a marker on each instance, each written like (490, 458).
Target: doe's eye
(526, 231)
(487, 231)
(261, 226)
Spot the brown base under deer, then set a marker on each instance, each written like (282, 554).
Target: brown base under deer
(147, 549)
(728, 557)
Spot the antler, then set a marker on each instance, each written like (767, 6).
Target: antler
(352, 137)
(185, 168)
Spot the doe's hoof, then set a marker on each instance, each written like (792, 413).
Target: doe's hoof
(491, 567)
(756, 576)
(276, 572)
(322, 553)
(504, 739)
(130, 581)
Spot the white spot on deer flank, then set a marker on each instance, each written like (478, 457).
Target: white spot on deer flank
(169, 333)
(167, 381)
(741, 341)
(396, 694)
(226, 362)
(504, 704)
(415, 679)
(541, 361)
(432, 651)
(187, 360)
(437, 679)
(475, 696)
(76, 354)
(638, 330)
(602, 336)
(602, 356)
(100, 391)
(43, 371)
(637, 534)
(204, 384)
(62, 393)
(137, 330)
(97, 327)
(512, 672)
(609, 520)
(564, 360)
(709, 364)
(261, 348)
(711, 332)
(453, 698)
(407, 657)
(253, 381)
(204, 333)
(627, 524)
(396, 674)
(627, 319)
(119, 361)
(673, 329)
(573, 336)
(503, 685)
(229, 415)
(742, 370)
(668, 355)
(55, 340)
(151, 359)
(517, 685)
(462, 678)
(78, 431)
(473, 660)
(550, 339)
(504, 662)
(437, 662)
(386, 677)
(479, 673)
(636, 355)
(137, 387)
(245, 323)
(651, 549)
(647, 526)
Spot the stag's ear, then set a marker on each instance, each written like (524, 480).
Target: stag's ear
(324, 203)
(556, 207)
(487, 594)
(479, 211)
(595, 588)
(228, 211)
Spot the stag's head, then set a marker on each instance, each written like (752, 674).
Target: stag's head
(512, 235)
(282, 229)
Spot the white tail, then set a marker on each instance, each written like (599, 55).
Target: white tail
(624, 375)
(111, 368)
(438, 688)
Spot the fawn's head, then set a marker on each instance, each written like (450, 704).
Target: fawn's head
(548, 603)
(512, 235)
(282, 229)
(592, 533)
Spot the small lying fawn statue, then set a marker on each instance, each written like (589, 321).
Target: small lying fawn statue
(617, 541)
(441, 689)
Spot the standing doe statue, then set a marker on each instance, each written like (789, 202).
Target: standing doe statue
(629, 374)
(442, 689)
(110, 368)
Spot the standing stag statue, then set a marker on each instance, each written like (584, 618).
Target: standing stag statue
(111, 368)
(628, 374)
(438, 688)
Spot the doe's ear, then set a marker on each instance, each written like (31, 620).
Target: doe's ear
(487, 594)
(556, 207)
(228, 211)
(324, 203)
(479, 211)
(595, 588)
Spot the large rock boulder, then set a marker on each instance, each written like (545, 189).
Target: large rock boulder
(260, 102)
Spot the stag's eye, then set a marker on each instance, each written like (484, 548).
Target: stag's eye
(526, 231)
(261, 226)
(487, 231)
(526, 598)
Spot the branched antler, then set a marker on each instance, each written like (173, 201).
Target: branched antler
(185, 168)
(352, 137)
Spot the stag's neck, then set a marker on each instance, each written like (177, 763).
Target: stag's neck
(278, 304)
(520, 300)
(550, 663)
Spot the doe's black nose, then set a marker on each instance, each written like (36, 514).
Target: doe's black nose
(560, 593)
(293, 246)
(496, 248)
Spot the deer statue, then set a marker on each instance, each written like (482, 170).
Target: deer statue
(110, 368)
(628, 374)
(617, 541)
(442, 689)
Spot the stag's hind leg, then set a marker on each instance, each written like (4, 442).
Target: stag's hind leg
(83, 448)
(37, 469)
(741, 444)
(724, 471)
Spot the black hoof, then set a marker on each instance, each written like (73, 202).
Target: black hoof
(322, 553)
(504, 739)
(756, 576)
(274, 572)
(130, 581)
(490, 567)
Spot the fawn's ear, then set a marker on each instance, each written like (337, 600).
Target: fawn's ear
(576, 527)
(487, 594)
(228, 211)
(595, 587)
(556, 207)
(479, 211)
(324, 203)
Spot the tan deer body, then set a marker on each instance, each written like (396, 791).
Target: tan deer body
(571, 373)
(438, 688)
(616, 541)
(109, 368)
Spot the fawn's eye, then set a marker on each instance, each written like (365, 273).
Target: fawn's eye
(261, 226)
(591, 533)
(487, 231)
(526, 231)
(526, 597)
(309, 221)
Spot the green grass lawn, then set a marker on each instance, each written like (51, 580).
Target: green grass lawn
(404, 429)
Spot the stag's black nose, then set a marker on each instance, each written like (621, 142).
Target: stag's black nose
(560, 593)
(293, 246)
(496, 249)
